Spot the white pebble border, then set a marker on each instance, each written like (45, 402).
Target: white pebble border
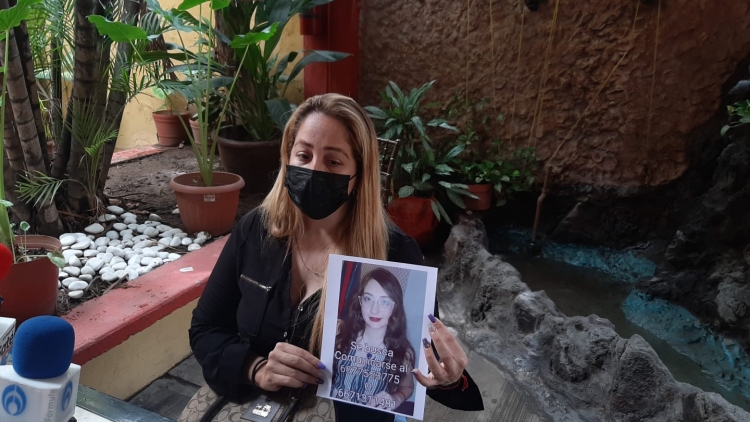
(119, 248)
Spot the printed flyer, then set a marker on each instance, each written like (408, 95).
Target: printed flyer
(376, 318)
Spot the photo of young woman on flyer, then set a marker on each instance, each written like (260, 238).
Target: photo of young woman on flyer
(373, 357)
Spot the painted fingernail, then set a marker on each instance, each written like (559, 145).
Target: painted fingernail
(319, 381)
(321, 365)
(432, 318)
(425, 343)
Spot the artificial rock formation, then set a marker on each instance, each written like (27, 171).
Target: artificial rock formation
(577, 367)
(616, 145)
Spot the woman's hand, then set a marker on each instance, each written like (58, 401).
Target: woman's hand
(452, 362)
(289, 366)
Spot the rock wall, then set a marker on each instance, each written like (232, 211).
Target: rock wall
(578, 367)
(700, 45)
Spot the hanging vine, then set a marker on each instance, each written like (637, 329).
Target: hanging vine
(512, 126)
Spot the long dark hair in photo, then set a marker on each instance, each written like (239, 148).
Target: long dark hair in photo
(395, 335)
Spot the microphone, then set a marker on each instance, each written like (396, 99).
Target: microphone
(42, 383)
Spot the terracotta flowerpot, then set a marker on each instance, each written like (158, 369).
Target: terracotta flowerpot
(30, 288)
(484, 192)
(196, 128)
(257, 162)
(169, 130)
(415, 217)
(211, 209)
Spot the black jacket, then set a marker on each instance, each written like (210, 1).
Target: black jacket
(246, 309)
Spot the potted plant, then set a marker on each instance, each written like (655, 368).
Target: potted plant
(420, 171)
(208, 200)
(30, 286)
(170, 123)
(250, 145)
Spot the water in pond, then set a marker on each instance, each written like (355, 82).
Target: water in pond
(582, 291)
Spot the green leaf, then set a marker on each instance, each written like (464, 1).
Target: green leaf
(409, 167)
(725, 129)
(315, 56)
(189, 4)
(505, 178)
(376, 113)
(24, 226)
(117, 31)
(405, 191)
(456, 199)
(12, 17)
(240, 42)
(443, 169)
(220, 4)
(281, 110)
(6, 203)
(426, 177)
(57, 258)
(441, 210)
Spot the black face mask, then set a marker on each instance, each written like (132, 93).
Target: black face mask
(318, 194)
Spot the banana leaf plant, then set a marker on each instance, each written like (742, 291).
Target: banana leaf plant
(199, 76)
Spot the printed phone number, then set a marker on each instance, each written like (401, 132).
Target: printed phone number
(384, 376)
(366, 398)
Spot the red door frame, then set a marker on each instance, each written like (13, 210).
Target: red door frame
(336, 28)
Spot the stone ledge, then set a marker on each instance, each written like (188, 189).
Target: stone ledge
(101, 324)
(135, 153)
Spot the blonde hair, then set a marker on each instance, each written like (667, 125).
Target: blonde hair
(366, 232)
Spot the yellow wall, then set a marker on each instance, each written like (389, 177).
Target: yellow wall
(137, 128)
(135, 363)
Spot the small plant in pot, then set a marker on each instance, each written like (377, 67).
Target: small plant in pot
(250, 145)
(419, 171)
(30, 286)
(170, 122)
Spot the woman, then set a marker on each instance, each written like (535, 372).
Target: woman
(373, 339)
(258, 324)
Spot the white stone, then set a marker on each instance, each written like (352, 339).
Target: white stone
(69, 280)
(114, 242)
(207, 235)
(151, 232)
(62, 275)
(135, 259)
(174, 256)
(194, 247)
(78, 285)
(130, 220)
(128, 214)
(88, 270)
(176, 211)
(120, 226)
(144, 270)
(59, 285)
(132, 274)
(101, 219)
(141, 228)
(149, 252)
(180, 235)
(109, 277)
(116, 260)
(200, 240)
(102, 241)
(163, 228)
(154, 217)
(163, 255)
(127, 243)
(112, 235)
(74, 261)
(95, 263)
(109, 217)
(72, 252)
(114, 209)
(119, 266)
(91, 237)
(115, 251)
(95, 228)
(150, 223)
(86, 277)
(90, 252)
(75, 294)
(101, 249)
(170, 232)
(165, 241)
(130, 254)
(176, 241)
(133, 227)
(68, 239)
(72, 271)
(143, 244)
(121, 274)
(81, 244)
(106, 269)
(146, 260)
(186, 241)
(157, 262)
(126, 232)
(106, 257)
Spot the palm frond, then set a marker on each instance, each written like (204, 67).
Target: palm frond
(40, 189)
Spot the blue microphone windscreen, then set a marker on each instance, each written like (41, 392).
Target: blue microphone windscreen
(43, 347)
